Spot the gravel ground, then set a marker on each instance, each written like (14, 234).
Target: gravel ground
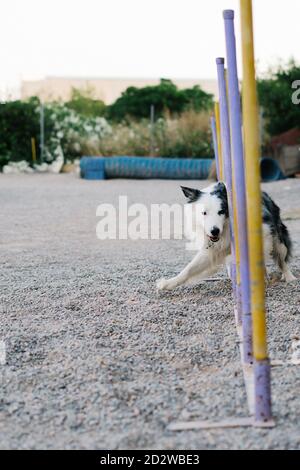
(96, 358)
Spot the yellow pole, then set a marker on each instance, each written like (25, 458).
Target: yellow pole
(218, 126)
(252, 157)
(33, 149)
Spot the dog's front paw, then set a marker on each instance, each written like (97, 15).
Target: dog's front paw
(163, 284)
(289, 277)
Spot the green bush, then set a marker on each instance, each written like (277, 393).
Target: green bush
(84, 103)
(64, 130)
(275, 96)
(187, 135)
(19, 122)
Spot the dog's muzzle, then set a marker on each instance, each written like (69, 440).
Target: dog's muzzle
(214, 239)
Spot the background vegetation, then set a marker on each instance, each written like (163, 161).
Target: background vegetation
(86, 126)
(165, 97)
(275, 97)
(187, 135)
(18, 123)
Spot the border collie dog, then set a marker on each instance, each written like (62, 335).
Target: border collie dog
(210, 227)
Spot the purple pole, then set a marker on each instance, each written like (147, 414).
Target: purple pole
(262, 381)
(214, 135)
(239, 180)
(239, 304)
(226, 150)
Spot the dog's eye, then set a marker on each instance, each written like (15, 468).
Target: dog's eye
(221, 212)
(204, 213)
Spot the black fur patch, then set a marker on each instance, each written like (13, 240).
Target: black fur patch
(271, 217)
(191, 194)
(221, 192)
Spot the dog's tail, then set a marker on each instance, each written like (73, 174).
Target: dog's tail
(271, 214)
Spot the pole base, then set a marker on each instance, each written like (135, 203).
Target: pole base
(225, 423)
(262, 391)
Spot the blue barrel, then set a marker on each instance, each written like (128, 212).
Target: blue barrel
(92, 168)
(145, 167)
(270, 170)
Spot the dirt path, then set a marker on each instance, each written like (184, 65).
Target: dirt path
(96, 358)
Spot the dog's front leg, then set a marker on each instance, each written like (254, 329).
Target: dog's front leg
(199, 265)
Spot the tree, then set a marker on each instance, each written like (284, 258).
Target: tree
(275, 96)
(136, 102)
(19, 122)
(197, 99)
(84, 103)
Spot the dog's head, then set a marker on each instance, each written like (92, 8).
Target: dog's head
(211, 207)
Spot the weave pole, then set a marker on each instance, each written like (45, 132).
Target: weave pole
(255, 242)
(215, 142)
(243, 275)
(242, 179)
(219, 140)
(238, 295)
(226, 153)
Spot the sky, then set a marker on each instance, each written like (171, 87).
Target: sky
(134, 38)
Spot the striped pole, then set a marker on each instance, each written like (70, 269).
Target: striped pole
(219, 140)
(243, 275)
(226, 152)
(215, 142)
(253, 191)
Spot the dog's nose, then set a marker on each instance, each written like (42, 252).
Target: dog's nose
(215, 231)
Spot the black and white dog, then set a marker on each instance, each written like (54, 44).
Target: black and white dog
(210, 207)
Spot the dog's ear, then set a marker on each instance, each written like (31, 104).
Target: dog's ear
(191, 194)
(221, 192)
(222, 188)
